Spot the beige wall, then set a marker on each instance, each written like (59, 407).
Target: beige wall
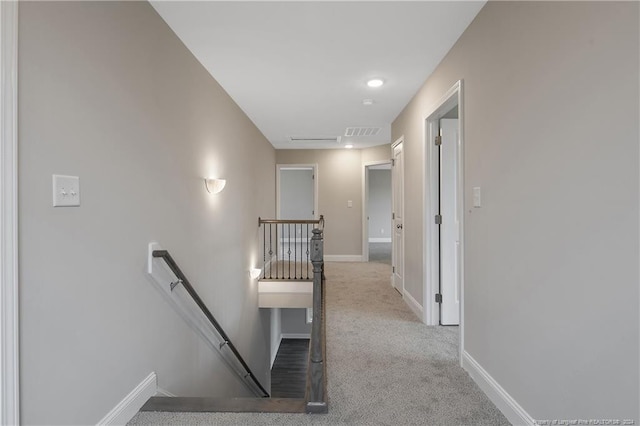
(107, 92)
(551, 258)
(339, 180)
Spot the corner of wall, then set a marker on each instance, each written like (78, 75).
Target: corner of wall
(131, 404)
(496, 393)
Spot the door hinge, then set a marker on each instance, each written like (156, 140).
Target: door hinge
(393, 162)
(438, 298)
(393, 215)
(438, 219)
(313, 177)
(438, 140)
(393, 269)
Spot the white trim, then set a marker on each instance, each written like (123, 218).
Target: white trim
(365, 205)
(164, 392)
(380, 240)
(453, 96)
(274, 351)
(342, 258)
(285, 286)
(413, 304)
(295, 336)
(496, 393)
(275, 329)
(9, 317)
(131, 404)
(399, 141)
(314, 167)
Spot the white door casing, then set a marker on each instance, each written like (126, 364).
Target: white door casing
(449, 237)
(9, 341)
(397, 195)
(452, 98)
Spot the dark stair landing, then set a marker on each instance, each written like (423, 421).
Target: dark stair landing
(289, 371)
(288, 386)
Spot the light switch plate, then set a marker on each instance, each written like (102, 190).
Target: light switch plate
(66, 191)
(477, 197)
(349, 203)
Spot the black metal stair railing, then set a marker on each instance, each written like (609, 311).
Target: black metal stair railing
(182, 279)
(289, 246)
(315, 400)
(286, 248)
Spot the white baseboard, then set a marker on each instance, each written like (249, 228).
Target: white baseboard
(343, 258)
(379, 240)
(164, 392)
(295, 336)
(413, 304)
(131, 404)
(496, 393)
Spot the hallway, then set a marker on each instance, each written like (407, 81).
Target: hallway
(384, 366)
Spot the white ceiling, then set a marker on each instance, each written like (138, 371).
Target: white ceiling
(299, 68)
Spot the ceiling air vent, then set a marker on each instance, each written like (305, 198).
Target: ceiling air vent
(361, 131)
(314, 138)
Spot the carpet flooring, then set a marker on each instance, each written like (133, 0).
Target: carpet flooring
(384, 366)
(380, 253)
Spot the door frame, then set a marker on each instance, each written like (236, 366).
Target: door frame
(453, 97)
(365, 205)
(398, 141)
(9, 330)
(280, 167)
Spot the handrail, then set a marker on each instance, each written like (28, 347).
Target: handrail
(319, 221)
(182, 279)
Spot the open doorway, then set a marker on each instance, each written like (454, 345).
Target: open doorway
(377, 222)
(444, 273)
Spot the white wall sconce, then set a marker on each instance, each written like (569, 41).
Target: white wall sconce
(214, 185)
(255, 273)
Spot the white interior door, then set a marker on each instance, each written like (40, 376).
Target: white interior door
(449, 229)
(297, 193)
(296, 200)
(397, 177)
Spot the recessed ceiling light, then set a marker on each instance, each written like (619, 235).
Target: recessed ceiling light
(375, 82)
(367, 102)
(348, 146)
